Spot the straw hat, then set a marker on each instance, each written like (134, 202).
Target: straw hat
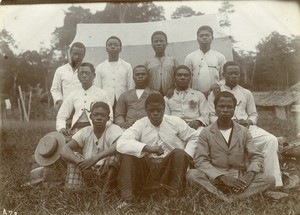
(49, 148)
(36, 176)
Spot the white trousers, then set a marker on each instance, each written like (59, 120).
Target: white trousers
(268, 145)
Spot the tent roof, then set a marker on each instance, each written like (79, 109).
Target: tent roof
(177, 30)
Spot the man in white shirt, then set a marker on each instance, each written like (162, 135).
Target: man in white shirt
(80, 100)
(156, 152)
(186, 103)
(114, 75)
(65, 79)
(206, 64)
(245, 114)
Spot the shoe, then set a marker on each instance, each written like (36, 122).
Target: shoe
(275, 195)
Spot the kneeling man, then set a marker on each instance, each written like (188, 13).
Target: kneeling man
(156, 152)
(92, 151)
(227, 162)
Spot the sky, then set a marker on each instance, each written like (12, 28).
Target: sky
(31, 25)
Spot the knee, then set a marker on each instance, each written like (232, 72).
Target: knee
(127, 159)
(179, 153)
(193, 174)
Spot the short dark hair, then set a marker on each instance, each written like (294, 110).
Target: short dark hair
(205, 27)
(114, 37)
(231, 63)
(140, 66)
(159, 33)
(225, 94)
(88, 65)
(154, 98)
(77, 45)
(182, 67)
(103, 105)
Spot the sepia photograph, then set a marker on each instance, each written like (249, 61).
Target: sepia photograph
(150, 107)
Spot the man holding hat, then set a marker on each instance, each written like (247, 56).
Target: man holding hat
(91, 152)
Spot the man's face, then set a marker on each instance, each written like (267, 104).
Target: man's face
(182, 78)
(140, 76)
(113, 47)
(159, 43)
(204, 38)
(232, 76)
(77, 55)
(225, 108)
(155, 113)
(85, 75)
(99, 117)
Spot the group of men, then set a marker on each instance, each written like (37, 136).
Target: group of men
(155, 127)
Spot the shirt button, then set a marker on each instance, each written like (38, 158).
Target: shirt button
(85, 94)
(84, 101)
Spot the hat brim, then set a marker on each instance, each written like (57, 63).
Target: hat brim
(48, 161)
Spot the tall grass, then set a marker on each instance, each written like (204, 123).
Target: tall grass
(18, 142)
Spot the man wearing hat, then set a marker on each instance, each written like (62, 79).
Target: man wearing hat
(91, 152)
(156, 152)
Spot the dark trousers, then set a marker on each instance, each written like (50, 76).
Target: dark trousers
(141, 176)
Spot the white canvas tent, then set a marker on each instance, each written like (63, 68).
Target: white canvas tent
(136, 38)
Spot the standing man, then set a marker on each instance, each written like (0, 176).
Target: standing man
(161, 67)
(131, 104)
(206, 64)
(245, 114)
(156, 152)
(186, 103)
(114, 75)
(227, 162)
(65, 78)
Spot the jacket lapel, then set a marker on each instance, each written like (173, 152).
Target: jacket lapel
(217, 136)
(235, 135)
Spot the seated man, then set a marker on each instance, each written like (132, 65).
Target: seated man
(154, 153)
(131, 104)
(186, 103)
(80, 100)
(227, 163)
(92, 151)
(245, 114)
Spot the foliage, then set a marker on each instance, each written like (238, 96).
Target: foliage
(277, 62)
(224, 12)
(184, 11)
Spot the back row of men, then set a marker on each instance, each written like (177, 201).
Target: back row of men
(187, 91)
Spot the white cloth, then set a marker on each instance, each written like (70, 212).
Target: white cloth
(139, 92)
(114, 81)
(206, 68)
(91, 145)
(81, 101)
(173, 131)
(64, 82)
(226, 134)
(265, 141)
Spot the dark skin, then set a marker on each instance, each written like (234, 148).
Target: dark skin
(225, 110)
(182, 80)
(232, 77)
(159, 44)
(113, 48)
(204, 39)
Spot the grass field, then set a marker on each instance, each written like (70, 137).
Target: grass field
(18, 141)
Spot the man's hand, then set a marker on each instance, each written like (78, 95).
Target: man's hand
(215, 88)
(57, 105)
(86, 164)
(125, 125)
(232, 182)
(154, 149)
(195, 124)
(246, 123)
(66, 132)
(248, 178)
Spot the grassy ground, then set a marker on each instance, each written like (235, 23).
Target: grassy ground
(18, 142)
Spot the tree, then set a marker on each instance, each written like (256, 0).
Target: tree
(224, 12)
(277, 62)
(184, 11)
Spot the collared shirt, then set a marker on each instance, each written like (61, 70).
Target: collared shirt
(245, 108)
(192, 107)
(130, 108)
(80, 100)
(206, 68)
(65, 81)
(114, 81)
(173, 131)
(91, 145)
(161, 73)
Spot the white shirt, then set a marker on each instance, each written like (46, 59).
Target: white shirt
(206, 68)
(81, 101)
(114, 81)
(245, 108)
(65, 81)
(173, 130)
